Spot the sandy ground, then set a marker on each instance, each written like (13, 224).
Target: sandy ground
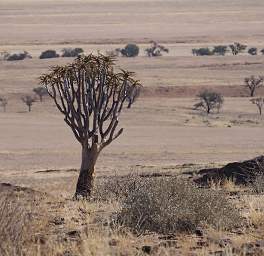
(161, 129)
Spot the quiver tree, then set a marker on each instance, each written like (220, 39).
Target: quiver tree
(259, 102)
(3, 103)
(28, 100)
(253, 83)
(40, 92)
(91, 96)
(209, 100)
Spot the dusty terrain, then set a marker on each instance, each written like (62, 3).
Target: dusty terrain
(162, 131)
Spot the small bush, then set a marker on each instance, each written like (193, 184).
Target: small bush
(220, 50)
(156, 49)
(202, 52)
(71, 52)
(131, 50)
(17, 56)
(253, 51)
(262, 51)
(167, 205)
(49, 54)
(237, 48)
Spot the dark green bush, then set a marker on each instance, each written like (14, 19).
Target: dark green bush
(253, 51)
(131, 50)
(71, 52)
(220, 50)
(18, 56)
(202, 52)
(49, 54)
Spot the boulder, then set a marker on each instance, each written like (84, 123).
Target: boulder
(240, 172)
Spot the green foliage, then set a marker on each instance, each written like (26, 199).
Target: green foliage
(49, 54)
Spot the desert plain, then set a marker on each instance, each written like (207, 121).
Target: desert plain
(162, 131)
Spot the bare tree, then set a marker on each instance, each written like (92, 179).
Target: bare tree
(3, 103)
(91, 96)
(28, 100)
(259, 102)
(209, 100)
(253, 83)
(40, 91)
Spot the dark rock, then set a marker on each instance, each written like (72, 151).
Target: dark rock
(202, 243)
(169, 243)
(58, 220)
(240, 172)
(74, 233)
(199, 232)
(146, 249)
(113, 242)
(259, 243)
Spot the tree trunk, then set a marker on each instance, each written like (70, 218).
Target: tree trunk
(86, 177)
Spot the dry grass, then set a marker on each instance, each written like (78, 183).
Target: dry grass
(167, 205)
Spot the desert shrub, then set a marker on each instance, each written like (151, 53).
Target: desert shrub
(253, 51)
(168, 204)
(17, 56)
(49, 54)
(237, 48)
(71, 52)
(202, 52)
(220, 50)
(3, 103)
(28, 100)
(258, 184)
(156, 50)
(130, 50)
(40, 92)
(209, 100)
(262, 51)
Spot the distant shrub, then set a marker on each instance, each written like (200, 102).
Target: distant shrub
(253, 51)
(17, 56)
(130, 50)
(40, 91)
(237, 48)
(71, 52)
(3, 103)
(168, 205)
(202, 52)
(220, 50)
(28, 100)
(209, 100)
(49, 54)
(262, 51)
(156, 50)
